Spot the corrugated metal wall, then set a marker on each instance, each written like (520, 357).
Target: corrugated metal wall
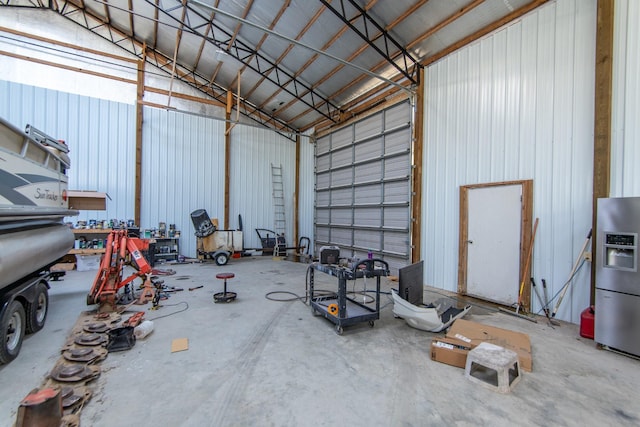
(253, 150)
(182, 162)
(625, 149)
(517, 104)
(183, 170)
(100, 135)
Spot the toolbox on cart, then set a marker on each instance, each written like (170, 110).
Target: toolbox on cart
(329, 254)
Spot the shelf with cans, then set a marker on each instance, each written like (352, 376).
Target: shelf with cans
(91, 236)
(164, 244)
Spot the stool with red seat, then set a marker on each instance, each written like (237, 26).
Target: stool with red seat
(224, 296)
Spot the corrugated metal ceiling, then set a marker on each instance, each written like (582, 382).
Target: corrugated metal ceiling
(302, 63)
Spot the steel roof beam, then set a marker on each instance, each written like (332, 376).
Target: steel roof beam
(283, 8)
(409, 66)
(82, 17)
(263, 65)
(311, 60)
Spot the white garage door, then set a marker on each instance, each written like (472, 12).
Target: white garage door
(363, 187)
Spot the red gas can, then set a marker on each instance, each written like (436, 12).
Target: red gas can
(587, 320)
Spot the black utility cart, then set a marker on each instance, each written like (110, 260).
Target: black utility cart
(340, 309)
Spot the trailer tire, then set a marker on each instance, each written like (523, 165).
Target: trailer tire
(12, 332)
(222, 258)
(37, 310)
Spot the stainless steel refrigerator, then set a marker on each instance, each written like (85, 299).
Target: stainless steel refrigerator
(617, 310)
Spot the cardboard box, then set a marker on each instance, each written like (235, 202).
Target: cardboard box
(450, 351)
(472, 334)
(63, 266)
(87, 200)
(87, 262)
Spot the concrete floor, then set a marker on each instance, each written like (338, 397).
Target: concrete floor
(258, 362)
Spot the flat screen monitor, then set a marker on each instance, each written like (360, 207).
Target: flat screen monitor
(410, 283)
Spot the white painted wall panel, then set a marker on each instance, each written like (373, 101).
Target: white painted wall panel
(625, 149)
(100, 135)
(51, 25)
(183, 170)
(517, 104)
(110, 158)
(253, 150)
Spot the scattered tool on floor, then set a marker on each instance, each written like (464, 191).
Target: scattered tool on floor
(547, 303)
(196, 287)
(525, 274)
(134, 320)
(160, 272)
(574, 270)
(544, 304)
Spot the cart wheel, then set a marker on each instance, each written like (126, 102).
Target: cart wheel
(339, 330)
(222, 259)
(371, 323)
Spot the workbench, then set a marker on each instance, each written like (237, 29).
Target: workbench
(349, 311)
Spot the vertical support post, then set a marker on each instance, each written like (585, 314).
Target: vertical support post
(227, 155)
(139, 121)
(416, 173)
(296, 193)
(602, 120)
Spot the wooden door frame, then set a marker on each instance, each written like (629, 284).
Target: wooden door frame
(525, 233)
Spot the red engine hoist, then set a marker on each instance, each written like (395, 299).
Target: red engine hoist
(109, 279)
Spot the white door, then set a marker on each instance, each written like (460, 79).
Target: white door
(493, 245)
